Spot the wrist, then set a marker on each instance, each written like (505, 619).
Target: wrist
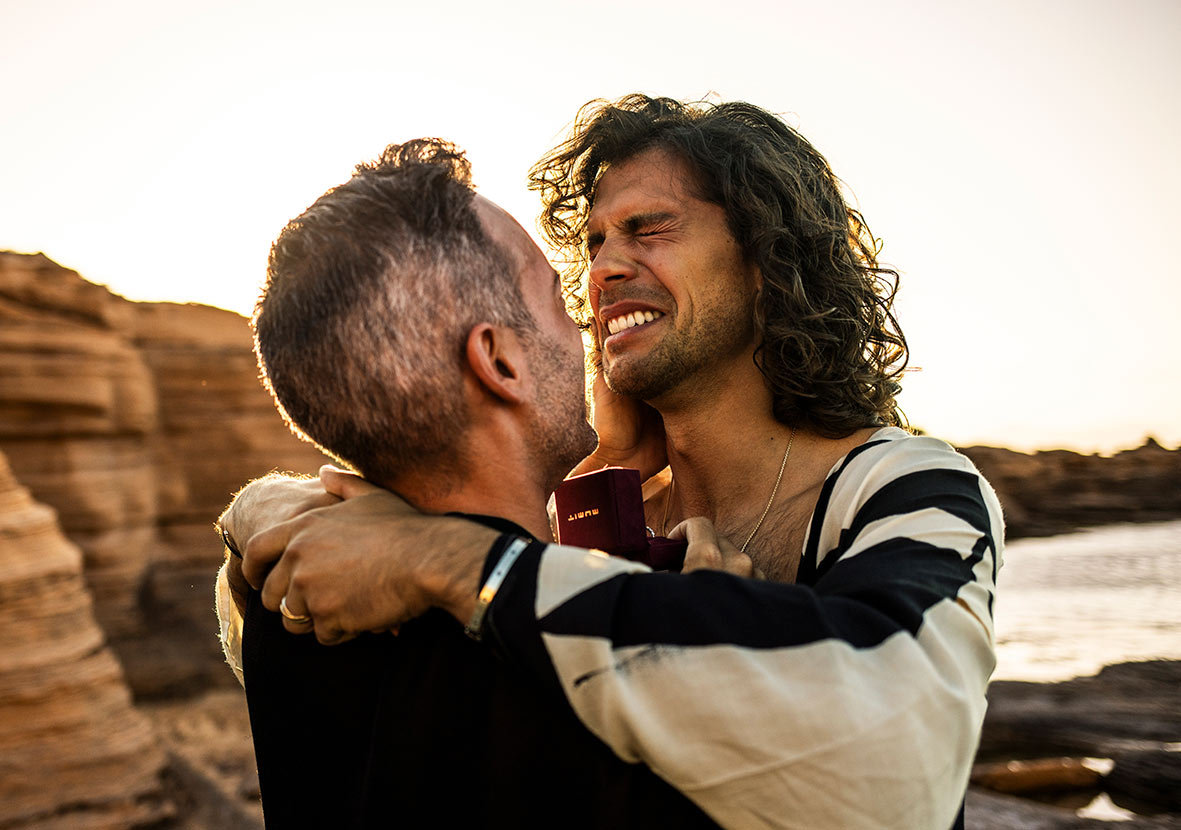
(227, 540)
(499, 563)
(453, 577)
(234, 522)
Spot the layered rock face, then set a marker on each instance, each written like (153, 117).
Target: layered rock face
(74, 752)
(76, 406)
(136, 422)
(217, 428)
(1056, 491)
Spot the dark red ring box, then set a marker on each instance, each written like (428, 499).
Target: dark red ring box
(605, 510)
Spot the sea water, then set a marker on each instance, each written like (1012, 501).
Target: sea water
(1069, 605)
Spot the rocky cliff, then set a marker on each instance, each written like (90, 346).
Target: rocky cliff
(74, 752)
(136, 422)
(1056, 491)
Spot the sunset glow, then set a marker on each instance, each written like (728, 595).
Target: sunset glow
(1018, 159)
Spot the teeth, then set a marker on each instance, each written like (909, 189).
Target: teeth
(634, 318)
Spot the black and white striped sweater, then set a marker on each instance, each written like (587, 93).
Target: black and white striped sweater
(853, 698)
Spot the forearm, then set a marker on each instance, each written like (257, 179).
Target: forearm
(749, 696)
(369, 563)
(453, 573)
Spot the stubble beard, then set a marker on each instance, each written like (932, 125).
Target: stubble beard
(680, 355)
(562, 434)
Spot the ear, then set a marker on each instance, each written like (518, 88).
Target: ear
(755, 276)
(496, 357)
(757, 310)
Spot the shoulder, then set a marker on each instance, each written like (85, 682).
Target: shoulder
(894, 473)
(891, 454)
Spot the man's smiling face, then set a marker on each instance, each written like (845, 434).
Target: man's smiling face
(671, 293)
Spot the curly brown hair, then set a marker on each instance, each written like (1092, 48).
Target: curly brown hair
(832, 350)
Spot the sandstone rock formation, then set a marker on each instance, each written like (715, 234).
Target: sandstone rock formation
(217, 429)
(1056, 491)
(73, 750)
(136, 422)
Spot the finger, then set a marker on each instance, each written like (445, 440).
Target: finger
(320, 499)
(344, 484)
(707, 550)
(387, 629)
(737, 563)
(694, 529)
(295, 607)
(237, 583)
(702, 556)
(734, 560)
(703, 551)
(293, 610)
(261, 552)
(330, 636)
(278, 583)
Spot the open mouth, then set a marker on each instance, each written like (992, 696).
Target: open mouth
(632, 319)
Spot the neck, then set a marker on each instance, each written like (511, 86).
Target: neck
(507, 487)
(725, 449)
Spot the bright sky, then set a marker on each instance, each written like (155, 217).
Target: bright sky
(1019, 159)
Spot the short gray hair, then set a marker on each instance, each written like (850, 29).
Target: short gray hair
(370, 295)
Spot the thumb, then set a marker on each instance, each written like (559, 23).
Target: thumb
(692, 530)
(344, 484)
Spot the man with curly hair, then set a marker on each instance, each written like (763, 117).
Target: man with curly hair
(744, 342)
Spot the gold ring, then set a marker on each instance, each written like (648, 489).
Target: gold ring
(298, 619)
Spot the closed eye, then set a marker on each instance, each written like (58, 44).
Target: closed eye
(650, 224)
(593, 243)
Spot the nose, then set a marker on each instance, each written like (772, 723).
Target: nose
(611, 265)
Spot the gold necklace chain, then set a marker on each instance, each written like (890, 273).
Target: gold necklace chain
(774, 492)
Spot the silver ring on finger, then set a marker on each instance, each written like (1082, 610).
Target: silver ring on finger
(298, 619)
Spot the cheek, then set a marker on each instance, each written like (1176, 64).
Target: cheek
(593, 292)
(568, 332)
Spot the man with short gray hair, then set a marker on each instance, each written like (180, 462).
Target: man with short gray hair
(412, 329)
